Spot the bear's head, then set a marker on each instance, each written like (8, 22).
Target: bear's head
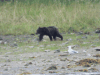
(40, 30)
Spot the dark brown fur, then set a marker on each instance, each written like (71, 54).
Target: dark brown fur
(50, 31)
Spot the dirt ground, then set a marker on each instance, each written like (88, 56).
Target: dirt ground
(45, 62)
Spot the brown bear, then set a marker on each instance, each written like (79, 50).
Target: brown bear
(50, 31)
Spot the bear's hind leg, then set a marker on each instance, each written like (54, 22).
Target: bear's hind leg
(54, 37)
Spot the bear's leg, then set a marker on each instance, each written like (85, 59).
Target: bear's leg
(60, 36)
(54, 37)
(50, 37)
(40, 37)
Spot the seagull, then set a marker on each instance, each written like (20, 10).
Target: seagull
(71, 51)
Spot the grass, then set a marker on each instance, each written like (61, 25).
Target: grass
(24, 47)
(25, 17)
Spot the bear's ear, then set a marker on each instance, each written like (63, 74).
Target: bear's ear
(39, 27)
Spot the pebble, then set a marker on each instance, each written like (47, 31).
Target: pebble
(57, 51)
(97, 49)
(47, 51)
(14, 45)
(63, 55)
(53, 67)
(28, 64)
(84, 37)
(6, 69)
(52, 72)
(41, 45)
(69, 39)
(65, 51)
(97, 31)
(8, 60)
(63, 59)
(2, 42)
(62, 67)
(1, 38)
(31, 46)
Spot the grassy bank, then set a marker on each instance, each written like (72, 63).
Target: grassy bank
(24, 17)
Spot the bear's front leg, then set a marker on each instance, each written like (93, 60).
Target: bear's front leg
(40, 37)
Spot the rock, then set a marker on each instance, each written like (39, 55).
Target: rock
(28, 64)
(57, 51)
(97, 30)
(14, 45)
(31, 46)
(52, 72)
(32, 57)
(93, 69)
(83, 70)
(89, 55)
(8, 60)
(20, 59)
(87, 33)
(93, 45)
(62, 67)
(53, 67)
(80, 33)
(97, 49)
(84, 51)
(1, 38)
(87, 65)
(32, 34)
(65, 51)
(25, 73)
(41, 45)
(64, 43)
(63, 55)
(73, 46)
(2, 42)
(47, 51)
(6, 55)
(84, 37)
(99, 36)
(69, 39)
(5, 65)
(5, 43)
(6, 69)
(63, 59)
(97, 55)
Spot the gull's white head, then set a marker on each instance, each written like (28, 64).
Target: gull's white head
(69, 47)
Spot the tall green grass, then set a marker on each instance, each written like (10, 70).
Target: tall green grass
(25, 16)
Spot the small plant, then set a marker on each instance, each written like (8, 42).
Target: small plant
(83, 70)
(87, 62)
(25, 73)
(98, 55)
(93, 69)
